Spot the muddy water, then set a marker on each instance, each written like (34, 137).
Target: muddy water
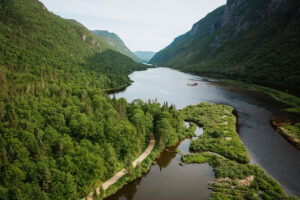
(168, 180)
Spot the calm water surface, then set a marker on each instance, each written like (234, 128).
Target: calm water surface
(167, 179)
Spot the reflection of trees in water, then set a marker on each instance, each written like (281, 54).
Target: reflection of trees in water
(127, 191)
(166, 157)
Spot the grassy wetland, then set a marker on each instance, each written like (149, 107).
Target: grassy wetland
(221, 147)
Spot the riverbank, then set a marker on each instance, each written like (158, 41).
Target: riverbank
(288, 129)
(98, 192)
(115, 90)
(235, 177)
(292, 101)
(265, 146)
(138, 168)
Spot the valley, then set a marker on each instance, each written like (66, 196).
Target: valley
(214, 115)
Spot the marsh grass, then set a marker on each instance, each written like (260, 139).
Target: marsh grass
(220, 134)
(235, 178)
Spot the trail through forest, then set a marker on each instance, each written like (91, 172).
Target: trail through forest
(121, 173)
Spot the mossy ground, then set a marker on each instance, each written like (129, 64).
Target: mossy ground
(235, 177)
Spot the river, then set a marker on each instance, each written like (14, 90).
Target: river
(266, 148)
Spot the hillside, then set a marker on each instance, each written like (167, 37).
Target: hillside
(144, 55)
(117, 43)
(59, 134)
(252, 41)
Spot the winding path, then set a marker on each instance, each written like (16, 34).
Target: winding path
(121, 173)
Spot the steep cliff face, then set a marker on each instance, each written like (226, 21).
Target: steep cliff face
(256, 41)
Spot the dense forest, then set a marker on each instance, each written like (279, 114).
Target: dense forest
(59, 134)
(252, 41)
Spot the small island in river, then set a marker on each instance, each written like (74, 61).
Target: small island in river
(192, 84)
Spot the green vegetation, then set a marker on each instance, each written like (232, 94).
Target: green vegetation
(134, 173)
(220, 134)
(35, 42)
(281, 96)
(190, 132)
(165, 137)
(238, 181)
(292, 133)
(60, 136)
(236, 41)
(235, 178)
(116, 42)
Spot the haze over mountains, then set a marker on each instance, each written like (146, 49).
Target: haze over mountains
(253, 41)
(144, 55)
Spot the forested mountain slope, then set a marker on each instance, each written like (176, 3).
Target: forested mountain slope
(59, 134)
(254, 41)
(117, 43)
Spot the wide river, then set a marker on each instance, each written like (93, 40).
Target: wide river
(268, 149)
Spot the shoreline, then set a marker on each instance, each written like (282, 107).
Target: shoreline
(233, 178)
(291, 102)
(279, 125)
(115, 90)
(144, 167)
(114, 179)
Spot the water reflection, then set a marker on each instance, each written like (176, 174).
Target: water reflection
(265, 146)
(165, 158)
(168, 180)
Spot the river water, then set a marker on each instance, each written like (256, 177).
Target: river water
(266, 148)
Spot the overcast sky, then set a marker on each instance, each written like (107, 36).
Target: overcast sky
(148, 25)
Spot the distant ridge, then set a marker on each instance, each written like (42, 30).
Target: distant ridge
(252, 41)
(117, 43)
(144, 55)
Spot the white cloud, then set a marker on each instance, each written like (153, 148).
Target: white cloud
(142, 24)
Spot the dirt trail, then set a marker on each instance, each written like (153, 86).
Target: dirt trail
(121, 173)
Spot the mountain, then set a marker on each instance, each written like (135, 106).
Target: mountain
(59, 133)
(145, 55)
(253, 41)
(117, 43)
(31, 36)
